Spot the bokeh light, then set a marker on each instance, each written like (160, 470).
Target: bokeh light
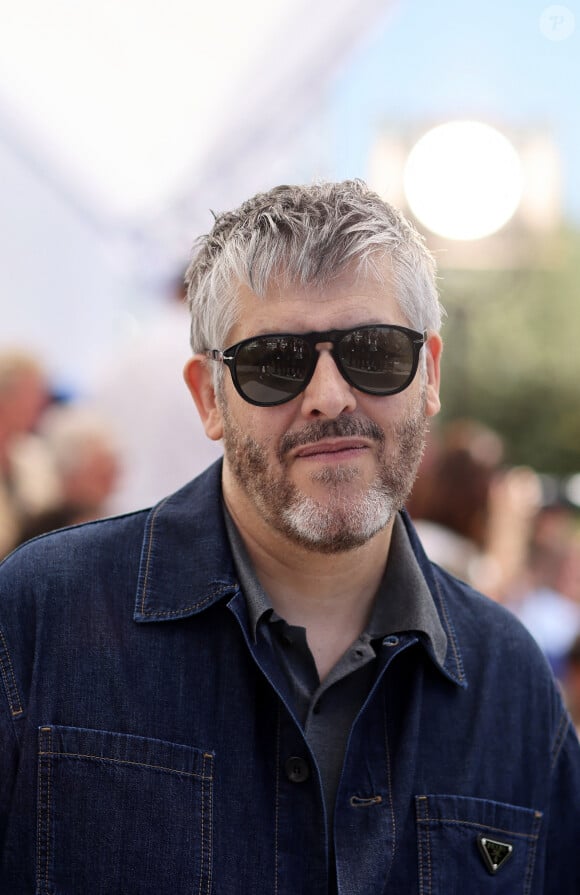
(463, 180)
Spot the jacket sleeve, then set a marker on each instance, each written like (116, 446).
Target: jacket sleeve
(562, 857)
(17, 654)
(11, 710)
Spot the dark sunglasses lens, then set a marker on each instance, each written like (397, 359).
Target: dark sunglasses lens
(378, 360)
(272, 369)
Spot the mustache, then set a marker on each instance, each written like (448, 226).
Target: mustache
(342, 426)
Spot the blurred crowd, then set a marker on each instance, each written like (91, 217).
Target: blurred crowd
(68, 461)
(135, 438)
(507, 532)
(58, 460)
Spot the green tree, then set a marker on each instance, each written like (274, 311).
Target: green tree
(512, 357)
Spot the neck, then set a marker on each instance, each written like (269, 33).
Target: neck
(331, 595)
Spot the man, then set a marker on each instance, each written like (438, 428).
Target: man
(262, 685)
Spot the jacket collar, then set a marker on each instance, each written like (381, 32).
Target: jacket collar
(187, 564)
(452, 666)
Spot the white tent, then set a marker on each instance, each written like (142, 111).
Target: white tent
(122, 124)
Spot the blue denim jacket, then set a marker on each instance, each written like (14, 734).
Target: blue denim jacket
(147, 744)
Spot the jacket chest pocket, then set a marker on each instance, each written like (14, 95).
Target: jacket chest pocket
(475, 845)
(122, 814)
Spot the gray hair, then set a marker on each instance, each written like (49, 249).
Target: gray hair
(306, 236)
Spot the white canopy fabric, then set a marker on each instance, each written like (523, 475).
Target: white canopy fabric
(122, 124)
(126, 104)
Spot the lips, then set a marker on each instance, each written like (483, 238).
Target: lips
(323, 438)
(325, 448)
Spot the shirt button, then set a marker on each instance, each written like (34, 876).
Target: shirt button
(297, 769)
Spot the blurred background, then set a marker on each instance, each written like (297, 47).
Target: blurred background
(124, 125)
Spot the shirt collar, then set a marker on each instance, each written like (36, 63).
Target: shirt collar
(257, 600)
(403, 603)
(187, 566)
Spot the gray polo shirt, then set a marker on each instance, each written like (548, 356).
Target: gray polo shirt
(327, 710)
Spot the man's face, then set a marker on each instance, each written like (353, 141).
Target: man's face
(328, 469)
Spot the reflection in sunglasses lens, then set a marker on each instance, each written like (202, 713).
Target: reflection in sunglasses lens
(273, 369)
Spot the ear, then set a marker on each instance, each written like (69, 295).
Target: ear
(433, 348)
(198, 378)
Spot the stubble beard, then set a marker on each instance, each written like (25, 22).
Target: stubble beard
(347, 519)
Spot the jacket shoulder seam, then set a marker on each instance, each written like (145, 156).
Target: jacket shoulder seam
(9, 678)
(560, 736)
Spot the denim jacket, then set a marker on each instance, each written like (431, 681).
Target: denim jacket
(148, 745)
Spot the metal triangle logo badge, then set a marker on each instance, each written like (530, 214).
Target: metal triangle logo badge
(494, 853)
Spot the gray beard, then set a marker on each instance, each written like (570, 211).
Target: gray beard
(344, 521)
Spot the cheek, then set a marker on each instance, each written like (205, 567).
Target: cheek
(390, 410)
(398, 411)
(244, 423)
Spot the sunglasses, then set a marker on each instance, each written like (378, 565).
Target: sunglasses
(271, 369)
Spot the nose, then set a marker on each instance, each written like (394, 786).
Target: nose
(327, 394)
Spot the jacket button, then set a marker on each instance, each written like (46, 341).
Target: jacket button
(297, 769)
(391, 640)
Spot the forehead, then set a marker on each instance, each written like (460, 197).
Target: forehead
(351, 299)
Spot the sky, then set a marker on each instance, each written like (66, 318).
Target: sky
(497, 62)
(68, 270)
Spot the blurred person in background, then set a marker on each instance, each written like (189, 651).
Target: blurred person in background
(27, 482)
(569, 579)
(161, 444)
(83, 452)
(474, 516)
(489, 526)
(544, 598)
(571, 680)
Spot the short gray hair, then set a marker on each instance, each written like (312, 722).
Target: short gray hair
(306, 236)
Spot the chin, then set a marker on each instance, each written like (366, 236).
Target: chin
(340, 524)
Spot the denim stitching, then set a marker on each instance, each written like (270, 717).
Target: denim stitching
(424, 821)
(139, 764)
(210, 836)
(199, 605)
(48, 813)
(205, 850)
(390, 786)
(451, 632)
(43, 822)
(424, 846)
(468, 823)
(559, 738)
(201, 867)
(149, 550)
(420, 854)
(168, 612)
(277, 802)
(38, 819)
(44, 788)
(11, 687)
(429, 866)
(532, 858)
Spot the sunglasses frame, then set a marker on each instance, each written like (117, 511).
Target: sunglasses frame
(229, 356)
